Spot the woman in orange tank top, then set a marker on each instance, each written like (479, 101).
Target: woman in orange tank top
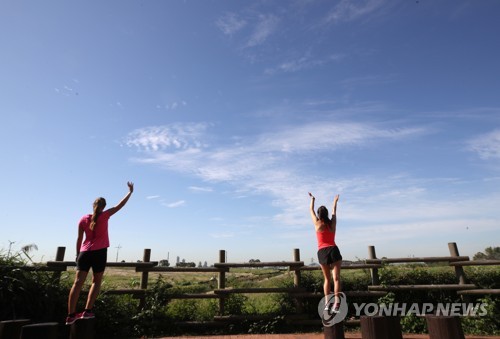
(329, 256)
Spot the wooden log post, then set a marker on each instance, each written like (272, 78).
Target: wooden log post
(373, 271)
(221, 282)
(459, 271)
(334, 332)
(12, 328)
(146, 257)
(380, 327)
(40, 331)
(56, 276)
(297, 281)
(296, 276)
(444, 327)
(83, 329)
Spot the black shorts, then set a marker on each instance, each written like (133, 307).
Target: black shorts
(329, 255)
(95, 259)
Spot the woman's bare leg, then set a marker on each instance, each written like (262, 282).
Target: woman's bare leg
(74, 293)
(327, 278)
(336, 280)
(94, 290)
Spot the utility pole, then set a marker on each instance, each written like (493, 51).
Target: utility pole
(117, 250)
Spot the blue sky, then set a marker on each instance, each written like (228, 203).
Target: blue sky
(225, 114)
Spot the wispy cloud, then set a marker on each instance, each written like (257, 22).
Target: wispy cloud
(487, 146)
(347, 10)
(263, 164)
(150, 197)
(305, 62)
(266, 25)
(201, 189)
(230, 23)
(257, 27)
(175, 204)
(177, 136)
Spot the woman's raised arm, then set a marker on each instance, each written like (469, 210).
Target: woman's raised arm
(122, 203)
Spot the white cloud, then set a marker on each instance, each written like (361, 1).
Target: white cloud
(150, 197)
(266, 25)
(230, 23)
(487, 146)
(177, 136)
(175, 204)
(305, 62)
(267, 164)
(347, 10)
(201, 189)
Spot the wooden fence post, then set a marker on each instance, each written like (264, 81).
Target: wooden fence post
(444, 327)
(12, 328)
(221, 282)
(56, 276)
(144, 277)
(374, 271)
(459, 271)
(296, 277)
(296, 280)
(40, 331)
(380, 327)
(334, 332)
(83, 329)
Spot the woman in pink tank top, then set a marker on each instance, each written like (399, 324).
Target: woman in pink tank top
(329, 256)
(92, 253)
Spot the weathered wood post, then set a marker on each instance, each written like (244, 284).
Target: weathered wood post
(56, 276)
(334, 332)
(296, 276)
(296, 280)
(380, 327)
(83, 329)
(444, 327)
(459, 271)
(373, 271)
(40, 331)
(221, 283)
(146, 257)
(12, 328)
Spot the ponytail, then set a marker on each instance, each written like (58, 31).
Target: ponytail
(323, 215)
(99, 205)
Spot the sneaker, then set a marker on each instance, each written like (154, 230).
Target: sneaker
(328, 309)
(70, 319)
(336, 308)
(87, 315)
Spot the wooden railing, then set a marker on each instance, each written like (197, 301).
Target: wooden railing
(298, 292)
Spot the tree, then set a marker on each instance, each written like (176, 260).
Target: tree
(492, 253)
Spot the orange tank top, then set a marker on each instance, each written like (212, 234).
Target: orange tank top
(326, 238)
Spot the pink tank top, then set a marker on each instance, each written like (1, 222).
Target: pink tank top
(98, 238)
(326, 238)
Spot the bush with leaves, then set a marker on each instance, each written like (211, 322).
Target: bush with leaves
(33, 294)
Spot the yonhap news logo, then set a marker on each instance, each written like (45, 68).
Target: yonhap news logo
(332, 311)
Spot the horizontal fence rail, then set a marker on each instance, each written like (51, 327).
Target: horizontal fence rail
(221, 292)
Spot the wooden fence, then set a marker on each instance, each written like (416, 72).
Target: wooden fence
(221, 268)
(298, 292)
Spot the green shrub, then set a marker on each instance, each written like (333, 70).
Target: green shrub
(34, 294)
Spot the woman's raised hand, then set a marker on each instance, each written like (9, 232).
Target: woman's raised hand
(130, 186)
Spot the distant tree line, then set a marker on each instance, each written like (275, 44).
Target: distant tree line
(491, 253)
